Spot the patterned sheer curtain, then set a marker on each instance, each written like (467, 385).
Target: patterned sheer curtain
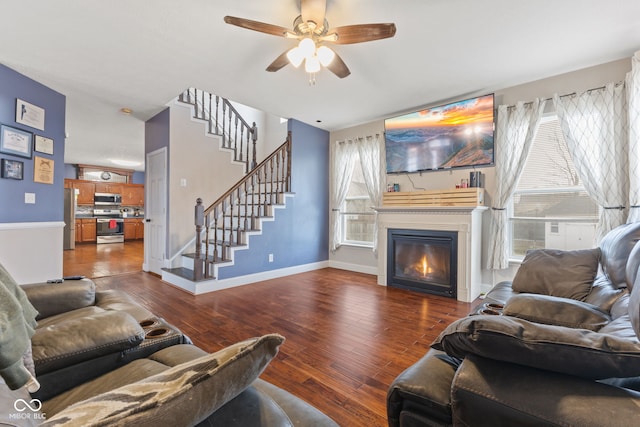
(594, 124)
(342, 157)
(516, 127)
(370, 151)
(633, 96)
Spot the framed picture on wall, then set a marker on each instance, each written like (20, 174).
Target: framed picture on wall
(42, 144)
(43, 170)
(15, 141)
(11, 169)
(29, 114)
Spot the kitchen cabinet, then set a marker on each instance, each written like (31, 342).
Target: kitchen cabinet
(104, 187)
(85, 230)
(133, 195)
(85, 191)
(133, 228)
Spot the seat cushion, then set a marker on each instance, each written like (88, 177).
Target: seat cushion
(182, 395)
(578, 352)
(566, 274)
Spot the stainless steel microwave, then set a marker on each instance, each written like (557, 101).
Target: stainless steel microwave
(107, 199)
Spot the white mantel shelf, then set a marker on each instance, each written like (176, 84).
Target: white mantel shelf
(465, 220)
(426, 209)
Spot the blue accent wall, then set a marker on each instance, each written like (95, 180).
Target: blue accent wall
(49, 197)
(299, 234)
(137, 178)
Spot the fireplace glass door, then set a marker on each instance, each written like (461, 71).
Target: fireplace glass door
(423, 260)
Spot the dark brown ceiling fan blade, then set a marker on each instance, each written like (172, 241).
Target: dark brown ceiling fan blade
(280, 62)
(338, 67)
(274, 30)
(350, 34)
(313, 10)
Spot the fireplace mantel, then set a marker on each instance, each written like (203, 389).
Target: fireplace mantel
(466, 220)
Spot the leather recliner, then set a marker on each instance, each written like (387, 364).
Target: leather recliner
(559, 345)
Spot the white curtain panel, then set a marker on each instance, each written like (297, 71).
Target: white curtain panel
(633, 96)
(370, 150)
(516, 127)
(342, 156)
(594, 124)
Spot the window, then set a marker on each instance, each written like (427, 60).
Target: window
(550, 208)
(357, 215)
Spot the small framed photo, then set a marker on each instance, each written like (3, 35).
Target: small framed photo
(15, 141)
(42, 144)
(12, 169)
(43, 170)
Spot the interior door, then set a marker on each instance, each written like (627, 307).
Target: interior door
(155, 211)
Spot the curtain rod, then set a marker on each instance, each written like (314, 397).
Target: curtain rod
(571, 94)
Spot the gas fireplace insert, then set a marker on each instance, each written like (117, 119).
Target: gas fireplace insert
(423, 260)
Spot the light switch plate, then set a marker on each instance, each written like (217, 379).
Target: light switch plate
(30, 198)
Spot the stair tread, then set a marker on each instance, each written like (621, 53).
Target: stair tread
(185, 273)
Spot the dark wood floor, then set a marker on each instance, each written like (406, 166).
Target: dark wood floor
(347, 338)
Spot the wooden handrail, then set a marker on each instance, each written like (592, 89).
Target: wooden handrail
(254, 192)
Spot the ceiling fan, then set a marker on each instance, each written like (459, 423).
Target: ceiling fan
(312, 30)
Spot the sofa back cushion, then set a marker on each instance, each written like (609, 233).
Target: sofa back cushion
(55, 298)
(566, 274)
(616, 247)
(551, 310)
(579, 352)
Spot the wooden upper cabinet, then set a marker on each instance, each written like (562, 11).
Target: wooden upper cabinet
(104, 187)
(86, 190)
(133, 195)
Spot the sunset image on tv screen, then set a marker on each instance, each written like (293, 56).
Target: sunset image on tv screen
(459, 134)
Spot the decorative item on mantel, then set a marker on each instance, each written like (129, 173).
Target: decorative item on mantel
(462, 197)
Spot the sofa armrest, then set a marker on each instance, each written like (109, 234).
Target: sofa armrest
(79, 339)
(422, 391)
(55, 298)
(489, 392)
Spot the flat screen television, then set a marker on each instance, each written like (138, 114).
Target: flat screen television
(454, 135)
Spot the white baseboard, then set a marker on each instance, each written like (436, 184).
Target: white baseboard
(354, 267)
(216, 285)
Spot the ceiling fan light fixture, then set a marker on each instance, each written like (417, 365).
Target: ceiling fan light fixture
(295, 56)
(312, 65)
(325, 55)
(307, 47)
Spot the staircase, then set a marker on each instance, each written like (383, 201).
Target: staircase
(223, 120)
(226, 225)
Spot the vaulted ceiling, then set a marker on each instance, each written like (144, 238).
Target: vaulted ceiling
(140, 54)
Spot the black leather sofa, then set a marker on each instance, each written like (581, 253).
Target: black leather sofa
(102, 359)
(558, 346)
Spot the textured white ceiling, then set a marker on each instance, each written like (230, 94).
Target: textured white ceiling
(141, 53)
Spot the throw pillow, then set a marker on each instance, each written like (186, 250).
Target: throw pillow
(566, 274)
(578, 352)
(182, 395)
(556, 311)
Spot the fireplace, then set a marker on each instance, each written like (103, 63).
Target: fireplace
(423, 260)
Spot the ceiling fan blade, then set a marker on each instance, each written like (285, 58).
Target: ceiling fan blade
(279, 62)
(274, 30)
(338, 67)
(313, 10)
(350, 34)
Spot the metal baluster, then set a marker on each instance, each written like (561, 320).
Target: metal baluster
(239, 237)
(215, 234)
(231, 219)
(246, 206)
(207, 265)
(217, 110)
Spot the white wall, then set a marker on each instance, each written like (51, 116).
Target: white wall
(359, 259)
(25, 243)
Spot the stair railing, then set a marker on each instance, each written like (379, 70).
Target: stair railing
(242, 205)
(226, 121)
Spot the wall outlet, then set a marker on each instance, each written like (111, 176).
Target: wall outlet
(270, 257)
